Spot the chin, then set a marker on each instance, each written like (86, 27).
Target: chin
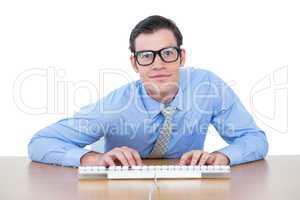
(162, 86)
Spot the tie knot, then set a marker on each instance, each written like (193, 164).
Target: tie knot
(168, 111)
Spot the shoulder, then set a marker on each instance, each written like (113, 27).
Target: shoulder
(123, 93)
(117, 100)
(195, 76)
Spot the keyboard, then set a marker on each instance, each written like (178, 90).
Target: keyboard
(154, 172)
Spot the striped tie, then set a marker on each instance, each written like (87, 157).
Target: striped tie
(163, 139)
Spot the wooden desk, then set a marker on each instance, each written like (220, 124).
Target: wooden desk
(277, 177)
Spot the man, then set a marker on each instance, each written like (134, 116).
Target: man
(165, 114)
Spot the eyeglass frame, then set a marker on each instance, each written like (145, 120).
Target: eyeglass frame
(178, 49)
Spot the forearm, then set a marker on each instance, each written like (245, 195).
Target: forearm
(59, 144)
(54, 151)
(249, 147)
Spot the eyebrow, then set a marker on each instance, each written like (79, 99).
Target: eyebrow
(158, 49)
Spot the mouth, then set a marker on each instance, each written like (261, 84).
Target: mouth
(160, 76)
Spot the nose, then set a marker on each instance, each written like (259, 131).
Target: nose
(158, 63)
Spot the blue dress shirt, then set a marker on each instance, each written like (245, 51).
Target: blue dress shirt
(129, 117)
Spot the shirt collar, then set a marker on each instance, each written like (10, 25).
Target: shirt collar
(154, 107)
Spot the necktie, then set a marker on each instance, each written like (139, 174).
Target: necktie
(161, 144)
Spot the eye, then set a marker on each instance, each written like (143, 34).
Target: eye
(169, 52)
(145, 55)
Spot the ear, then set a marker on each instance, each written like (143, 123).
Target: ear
(182, 57)
(133, 64)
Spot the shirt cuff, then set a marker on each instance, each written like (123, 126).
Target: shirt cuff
(233, 153)
(72, 157)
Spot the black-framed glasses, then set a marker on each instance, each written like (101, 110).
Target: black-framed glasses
(167, 54)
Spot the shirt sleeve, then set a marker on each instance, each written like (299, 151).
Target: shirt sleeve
(63, 142)
(236, 126)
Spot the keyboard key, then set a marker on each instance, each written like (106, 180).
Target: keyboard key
(151, 171)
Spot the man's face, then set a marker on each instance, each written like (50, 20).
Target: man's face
(159, 78)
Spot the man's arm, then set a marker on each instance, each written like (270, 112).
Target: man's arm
(236, 126)
(62, 142)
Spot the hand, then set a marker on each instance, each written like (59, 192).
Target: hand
(118, 156)
(198, 157)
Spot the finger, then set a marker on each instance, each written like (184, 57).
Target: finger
(186, 157)
(135, 155)
(211, 159)
(195, 157)
(218, 161)
(117, 154)
(129, 157)
(108, 161)
(203, 158)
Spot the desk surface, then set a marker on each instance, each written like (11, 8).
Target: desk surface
(277, 177)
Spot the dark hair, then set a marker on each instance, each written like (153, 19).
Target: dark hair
(152, 24)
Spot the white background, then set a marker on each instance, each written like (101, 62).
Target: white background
(253, 45)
